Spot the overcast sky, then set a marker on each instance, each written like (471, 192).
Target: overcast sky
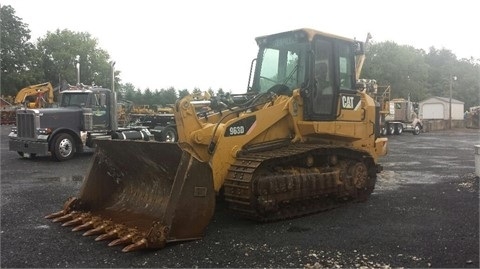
(210, 44)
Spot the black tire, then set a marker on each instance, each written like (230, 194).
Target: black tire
(63, 147)
(391, 128)
(169, 134)
(398, 128)
(383, 131)
(416, 129)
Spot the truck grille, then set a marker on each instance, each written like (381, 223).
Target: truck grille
(25, 125)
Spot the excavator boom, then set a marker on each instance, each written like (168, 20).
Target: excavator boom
(43, 93)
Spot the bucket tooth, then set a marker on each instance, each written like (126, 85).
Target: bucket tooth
(112, 234)
(126, 239)
(55, 215)
(77, 221)
(98, 230)
(87, 225)
(141, 244)
(69, 205)
(64, 218)
(105, 236)
(73, 222)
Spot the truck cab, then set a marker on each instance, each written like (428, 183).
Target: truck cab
(84, 113)
(402, 117)
(95, 103)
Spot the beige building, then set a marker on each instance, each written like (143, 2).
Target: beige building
(438, 108)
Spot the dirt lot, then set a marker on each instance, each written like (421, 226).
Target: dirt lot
(424, 213)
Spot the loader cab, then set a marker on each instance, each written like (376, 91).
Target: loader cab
(321, 65)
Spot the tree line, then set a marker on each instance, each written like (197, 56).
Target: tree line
(420, 74)
(409, 71)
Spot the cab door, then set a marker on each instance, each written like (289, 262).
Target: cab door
(333, 77)
(100, 111)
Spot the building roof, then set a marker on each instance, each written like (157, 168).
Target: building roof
(442, 99)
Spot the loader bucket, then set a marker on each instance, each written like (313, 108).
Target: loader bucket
(142, 194)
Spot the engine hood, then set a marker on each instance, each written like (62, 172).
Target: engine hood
(53, 118)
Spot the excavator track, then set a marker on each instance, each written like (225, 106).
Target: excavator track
(297, 180)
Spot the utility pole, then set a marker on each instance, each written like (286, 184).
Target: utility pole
(78, 69)
(452, 78)
(113, 108)
(113, 75)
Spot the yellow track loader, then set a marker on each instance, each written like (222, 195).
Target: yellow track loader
(304, 138)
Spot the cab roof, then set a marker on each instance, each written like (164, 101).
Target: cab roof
(310, 34)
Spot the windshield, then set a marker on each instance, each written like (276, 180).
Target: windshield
(281, 62)
(74, 99)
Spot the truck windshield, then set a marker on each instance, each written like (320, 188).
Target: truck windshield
(281, 63)
(74, 99)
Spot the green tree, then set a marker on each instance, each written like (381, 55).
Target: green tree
(402, 67)
(127, 91)
(63, 49)
(147, 98)
(183, 93)
(467, 86)
(20, 59)
(444, 65)
(196, 93)
(157, 98)
(211, 92)
(441, 64)
(170, 96)
(138, 97)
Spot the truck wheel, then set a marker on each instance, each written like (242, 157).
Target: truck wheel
(416, 129)
(383, 131)
(398, 128)
(63, 147)
(391, 128)
(169, 134)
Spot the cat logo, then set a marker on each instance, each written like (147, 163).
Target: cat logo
(350, 102)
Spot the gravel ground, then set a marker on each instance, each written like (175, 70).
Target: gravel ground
(424, 212)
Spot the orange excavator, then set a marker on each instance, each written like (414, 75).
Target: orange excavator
(33, 96)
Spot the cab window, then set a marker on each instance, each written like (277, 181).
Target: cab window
(345, 66)
(282, 65)
(74, 99)
(323, 94)
(99, 100)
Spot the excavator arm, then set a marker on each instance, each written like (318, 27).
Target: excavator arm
(43, 93)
